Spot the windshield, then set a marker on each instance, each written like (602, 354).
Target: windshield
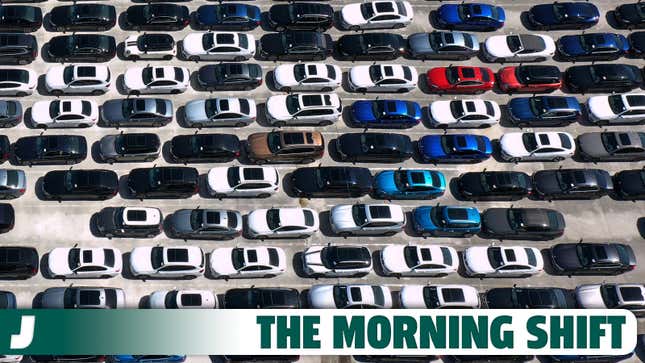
(340, 296)
(293, 105)
(196, 219)
(146, 75)
(273, 141)
(609, 140)
(495, 257)
(452, 74)
(358, 214)
(537, 106)
(609, 295)
(616, 104)
(367, 10)
(156, 257)
(273, 219)
(514, 43)
(411, 256)
(529, 141)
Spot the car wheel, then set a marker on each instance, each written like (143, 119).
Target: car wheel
(198, 125)
(58, 277)
(21, 94)
(133, 57)
(389, 234)
(110, 161)
(149, 159)
(261, 237)
(268, 276)
(285, 89)
(240, 124)
(402, 90)
(303, 236)
(83, 126)
(41, 126)
(175, 92)
(23, 62)
(354, 28)
(558, 158)
(361, 90)
(514, 160)
(326, 89)
(143, 277)
(189, 277)
(97, 92)
(324, 123)
(150, 235)
(239, 59)
(156, 124)
(263, 195)
(344, 234)
(307, 161)
(280, 28)
(279, 124)
(167, 57)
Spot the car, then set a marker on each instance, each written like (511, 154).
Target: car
(208, 224)
(149, 46)
(544, 111)
(64, 113)
(78, 79)
(625, 109)
(262, 298)
(134, 222)
(242, 181)
(419, 260)
(366, 219)
(446, 221)
(18, 48)
(592, 47)
(168, 17)
(79, 184)
(607, 358)
(218, 46)
(572, 184)
(530, 298)
(538, 224)
(21, 18)
(612, 296)
(83, 297)
(167, 262)
(630, 15)
(156, 80)
(7, 300)
(612, 146)
(494, 185)
(460, 79)
(163, 182)
(182, 299)
(337, 261)
(376, 15)
(81, 48)
(464, 113)
(285, 147)
(217, 112)
(409, 184)
(374, 147)
(129, 147)
(50, 150)
(307, 77)
(7, 217)
(229, 76)
(82, 262)
(629, 184)
(443, 45)
(530, 146)
(295, 45)
(287, 222)
(17, 82)
(407, 358)
(507, 261)
(67, 358)
(519, 48)
(247, 262)
(603, 78)
(439, 297)
(82, 17)
(230, 16)
(356, 296)
(18, 262)
(148, 358)
(385, 114)
(592, 258)
(563, 15)
(10, 113)
(13, 183)
(454, 148)
(529, 78)
(202, 148)
(371, 46)
(382, 78)
(470, 16)
(636, 44)
(300, 16)
(319, 109)
(5, 148)
(137, 112)
(331, 181)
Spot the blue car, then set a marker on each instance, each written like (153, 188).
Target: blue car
(148, 358)
(456, 148)
(567, 15)
(592, 46)
(385, 114)
(409, 184)
(227, 17)
(473, 16)
(446, 221)
(544, 111)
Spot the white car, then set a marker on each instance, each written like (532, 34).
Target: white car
(337, 261)
(149, 46)
(376, 15)
(77, 262)
(439, 297)
(464, 113)
(612, 296)
(182, 299)
(547, 146)
(218, 112)
(170, 262)
(245, 262)
(367, 219)
(64, 113)
(419, 260)
(79, 79)
(350, 297)
(512, 261)
(156, 80)
(627, 108)
(382, 78)
(303, 109)
(243, 181)
(519, 48)
(307, 77)
(218, 46)
(17, 81)
(282, 223)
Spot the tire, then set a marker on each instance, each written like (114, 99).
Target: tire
(167, 57)
(83, 126)
(110, 161)
(398, 26)
(344, 234)
(189, 277)
(557, 159)
(261, 237)
(280, 28)
(239, 59)
(402, 90)
(354, 28)
(135, 93)
(514, 160)
(303, 236)
(143, 277)
(198, 125)
(97, 92)
(361, 90)
(285, 89)
(149, 159)
(151, 235)
(279, 124)
(390, 234)
(324, 123)
(326, 89)
(263, 195)
(307, 161)
(175, 92)
(21, 94)
(134, 58)
(240, 124)
(41, 126)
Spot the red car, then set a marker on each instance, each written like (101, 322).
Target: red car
(461, 79)
(531, 78)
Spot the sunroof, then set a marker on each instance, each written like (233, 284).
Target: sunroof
(86, 71)
(383, 7)
(92, 297)
(457, 213)
(418, 177)
(391, 106)
(252, 256)
(355, 292)
(311, 69)
(87, 256)
(449, 38)
(461, 141)
(312, 100)
(470, 106)
(544, 139)
(510, 255)
(136, 215)
(453, 295)
(468, 72)
(67, 106)
(425, 254)
(388, 71)
(177, 255)
(380, 211)
(636, 100)
(224, 105)
(253, 173)
(624, 139)
(212, 218)
(159, 72)
(225, 38)
(293, 138)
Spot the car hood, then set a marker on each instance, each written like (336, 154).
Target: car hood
(53, 298)
(341, 217)
(140, 261)
(519, 109)
(272, 44)
(258, 145)
(471, 183)
(362, 111)
(566, 256)
(313, 258)
(495, 220)
(132, 78)
(157, 300)
(599, 108)
(420, 42)
(546, 182)
(58, 46)
(192, 44)
(351, 14)
(543, 14)
(570, 45)
(589, 297)
(591, 144)
(40, 112)
(449, 13)
(107, 146)
(411, 297)
(195, 111)
(512, 144)
(221, 262)
(112, 111)
(322, 297)
(303, 179)
(57, 261)
(476, 258)
(276, 109)
(393, 260)
(430, 145)
(501, 298)
(257, 221)
(180, 221)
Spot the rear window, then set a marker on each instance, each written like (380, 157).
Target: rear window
(273, 257)
(452, 295)
(244, 106)
(309, 218)
(109, 257)
(447, 256)
(532, 259)
(565, 141)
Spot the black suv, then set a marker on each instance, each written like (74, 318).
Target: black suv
(229, 76)
(204, 148)
(374, 147)
(50, 149)
(163, 182)
(129, 222)
(18, 48)
(301, 45)
(331, 181)
(606, 78)
(262, 298)
(7, 217)
(494, 185)
(592, 258)
(10, 113)
(530, 298)
(371, 46)
(630, 184)
(522, 223)
(81, 48)
(92, 184)
(87, 17)
(129, 147)
(18, 262)
(301, 16)
(21, 18)
(157, 17)
(572, 184)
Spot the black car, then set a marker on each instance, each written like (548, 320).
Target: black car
(637, 44)
(82, 17)
(10, 113)
(261, 358)
(494, 185)
(229, 76)
(394, 358)
(50, 149)
(7, 217)
(374, 147)
(18, 48)
(227, 17)
(605, 78)
(371, 46)
(7, 300)
(491, 358)
(630, 15)
(301, 16)
(572, 184)
(21, 18)
(81, 48)
(630, 184)
(67, 358)
(522, 223)
(608, 358)
(300, 45)
(18, 262)
(204, 148)
(262, 298)
(163, 182)
(90, 184)
(5, 148)
(592, 258)
(530, 298)
(331, 181)
(157, 17)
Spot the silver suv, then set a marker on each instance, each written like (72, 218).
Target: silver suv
(129, 147)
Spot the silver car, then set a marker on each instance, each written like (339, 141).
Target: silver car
(612, 146)
(137, 112)
(129, 147)
(216, 112)
(12, 183)
(443, 45)
(82, 298)
(204, 224)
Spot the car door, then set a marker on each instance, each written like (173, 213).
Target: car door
(513, 270)
(175, 270)
(89, 271)
(289, 231)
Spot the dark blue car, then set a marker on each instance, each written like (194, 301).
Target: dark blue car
(455, 148)
(385, 114)
(637, 44)
(409, 184)
(567, 15)
(446, 221)
(592, 46)
(227, 17)
(541, 111)
(473, 16)
(148, 358)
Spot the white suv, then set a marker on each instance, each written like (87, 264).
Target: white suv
(182, 299)
(617, 109)
(303, 109)
(243, 181)
(511, 261)
(218, 46)
(307, 77)
(382, 78)
(376, 15)
(439, 297)
(80, 79)
(367, 219)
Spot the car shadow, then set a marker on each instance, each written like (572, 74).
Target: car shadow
(422, 83)
(41, 89)
(524, 19)
(453, 185)
(324, 226)
(124, 191)
(194, 84)
(548, 266)
(331, 150)
(269, 81)
(126, 271)
(261, 115)
(93, 226)
(505, 119)
(144, 302)
(95, 152)
(120, 53)
(203, 186)
(38, 189)
(37, 301)
(167, 155)
(461, 269)
(119, 84)
(180, 117)
(44, 54)
(640, 225)
(610, 17)
(408, 228)
(44, 267)
(377, 265)
(298, 267)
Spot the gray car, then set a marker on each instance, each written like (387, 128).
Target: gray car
(129, 147)
(443, 45)
(612, 146)
(82, 298)
(137, 112)
(10, 113)
(12, 183)
(204, 224)
(216, 112)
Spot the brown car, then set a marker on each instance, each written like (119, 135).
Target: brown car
(285, 147)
